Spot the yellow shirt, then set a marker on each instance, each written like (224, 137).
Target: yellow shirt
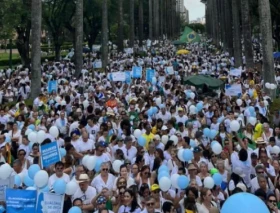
(258, 131)
(154, 130)
(148, 138)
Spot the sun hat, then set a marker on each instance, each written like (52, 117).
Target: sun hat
(260, 140)
(83, 178)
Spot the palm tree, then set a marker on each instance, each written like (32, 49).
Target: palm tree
(36, 20)
(79, 34)
(131, 37)
(267, 45)
(104, 34)
(236, 33)
(120, 26)
(141, 22)
(246, 32)
(150, 19)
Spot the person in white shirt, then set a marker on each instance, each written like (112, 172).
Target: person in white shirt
(86, 193)
(260, 170)
(130, 151)
(85, 144)
(61, 123)
(59, 167)
(164, 115)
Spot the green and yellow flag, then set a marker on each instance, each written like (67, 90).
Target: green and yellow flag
(189, 36)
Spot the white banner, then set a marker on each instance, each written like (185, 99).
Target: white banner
(118, 76)
(233, 89)
(52, 203)
(170, 70)
(235, 72)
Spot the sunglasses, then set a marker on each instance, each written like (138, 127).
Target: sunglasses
(122, 182)
(213, 156)
(272, 201)
(105, 170)
(150, 204)
(59, 168)
(156, 191)
(121, 193)
(20, 154)
(146, 173)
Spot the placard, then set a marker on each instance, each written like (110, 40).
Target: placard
(169, 70)
(235, 72)
(4, 184)
(52, 86)
(50, 203)
(97, 64)
(127, 77)
(118, 76)
(136, 72)
(233, 89)
(49, 154)
(150, 73)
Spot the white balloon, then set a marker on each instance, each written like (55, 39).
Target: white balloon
(208, 182)
(158, 101)
(265, 103)
(192, 108)
(85, 103)
(192, 95)
(32, 137)
(268, 85)
(174, 179)
(90, 163)
(84, 160)
(275, 150)
(180, 155)
(239, 102)
(217, 148)
(273, 86)
(137, 133)
(41, 178)
(71, 187)
(252, 121)
(28, 131)
(63, 103)
(5, 171)
(164, 139)
(31, 188)
(116, 165)
(41, 135)
(234, 125)
(57, 99)
(174, 138)
(164, 184)
(54, 131)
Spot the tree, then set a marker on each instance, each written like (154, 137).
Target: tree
(131, 17)
(79, 38)
(120, 26)
(141, 27)
(150, 19)
(228, 26)
(266, 32)
(105, 34)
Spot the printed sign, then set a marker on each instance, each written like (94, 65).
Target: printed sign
(118, 76)
(150, 73)
(233, 89)
(20, 201)
(50, 203)
(4, 184)
(97, 64)
(137, 72)
(235, 72)
(49, 154)
(52, 86)
(127, 77)
(169, 70)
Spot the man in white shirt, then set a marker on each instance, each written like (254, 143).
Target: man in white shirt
(61, 123)
(130, 151)
(164, 115)
(260, 170)
(59, 167)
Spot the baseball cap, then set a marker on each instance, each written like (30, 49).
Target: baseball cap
(155, 187)
(101, 199)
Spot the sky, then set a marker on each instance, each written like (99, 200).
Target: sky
(196, 9)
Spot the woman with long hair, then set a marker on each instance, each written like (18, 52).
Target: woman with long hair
(131, 204)
(168, 149)
(144, 176)
(124, 174)
(206, 201)
(203, 168)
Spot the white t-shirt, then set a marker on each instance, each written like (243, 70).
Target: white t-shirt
(86, 196)
(126, 209)
(99, 184)
(53, 178)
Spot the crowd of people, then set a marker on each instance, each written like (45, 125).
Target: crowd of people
(99, 117)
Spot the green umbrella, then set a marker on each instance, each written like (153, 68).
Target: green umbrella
(178, 42)
(201, 80)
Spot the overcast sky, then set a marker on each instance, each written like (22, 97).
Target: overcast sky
(196, 9)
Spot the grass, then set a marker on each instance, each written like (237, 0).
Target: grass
(6, 56)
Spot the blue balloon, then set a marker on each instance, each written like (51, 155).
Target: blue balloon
(155, 110)
(62, 152)
(17, 180)
(163, 174)
(32, 127)
(199, 106)
(253, 114)
(7, 139)
(251, 109)
(187, 155)
(75, 209)
(154, 81)
(2, 209)
(28, 181)
(213, 133)
(183, 181)
(250, 93)
(206, 132)
(32, 170)
(218, 179)
(192, 143)
(45, 189)
(244, 202)
(188, 94)
(213, 142)
(163, 168)
(98, 165)
(59, 186)
(141, 141)
(220, 120)
(150, 112)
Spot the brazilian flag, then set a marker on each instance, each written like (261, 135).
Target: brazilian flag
(189, 36)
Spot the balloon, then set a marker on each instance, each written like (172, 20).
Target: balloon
(192, 143)
(174, 181)
(155, 110)
(265, 103)
(17, 180)
(251, 109)
(137, 133)
(220, 120)
(57, 99)
(174, 138)
(41, 178)
(158, 101)
(32, 170)
(2, 209)
(59, 186)
(71, 187)
(273, 86)
(41, 135)
(5, 171)
(213, 133)
(163, 168)
(199, 106)
(187, 155)
(7, 139)
(239, 102)
(85, 103)
(45, 189)
(31, 188)
(268, 85)
(116, 165)
(208, 182)
(62, 152)
(218, 179)
(154, 80)
(234, 125)
(244, 202)
(206, 132)
(213, 171)
(252, 121)
(84, 160)
(75, 209)
(192, 95)
(63, 103)
(91, 162)
(275, 150)
(150, 112)
(183, 182)
(163, 174)
(141, 141)
(164, 184)
(27, 132)
(32, 127)
(32, 137)
(192, 108)
(98, 165)
(28, 181)
(213, 142)
(217, 148)
(180, 155)
(164, 139)
(54, 131)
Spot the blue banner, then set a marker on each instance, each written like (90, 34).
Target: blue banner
(136, 72)
(150, 73)
(127, 77)
(52, 86)
(20, 201)
(49, 154)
